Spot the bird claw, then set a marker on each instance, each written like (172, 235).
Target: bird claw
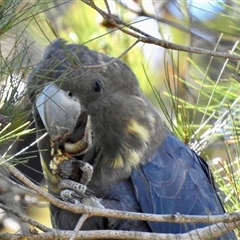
(73, 192)
(78, 193)
(69, 196)
(78, 188)
(87, 171)
(75, 170)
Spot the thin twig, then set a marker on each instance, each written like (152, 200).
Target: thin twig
(79, 225)
(108, 8)
(17, 185)
(26, 148)
(157, 18)
(146, 38)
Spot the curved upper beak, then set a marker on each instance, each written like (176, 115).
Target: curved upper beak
(58, 110)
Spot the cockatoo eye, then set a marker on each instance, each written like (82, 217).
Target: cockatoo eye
(97, 86)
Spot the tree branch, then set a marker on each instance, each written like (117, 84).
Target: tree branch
(205, 233)
(81, 209)
(82, 219)
(146, 38)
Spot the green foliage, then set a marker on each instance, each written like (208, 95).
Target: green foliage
(17, 132)
(15, 63)
(198, 99)
(210, 125)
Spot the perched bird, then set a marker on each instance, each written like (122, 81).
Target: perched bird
(108, 147)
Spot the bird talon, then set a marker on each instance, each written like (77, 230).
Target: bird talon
(72, 189)
(69, 196)
(87, 171)
(89, 193)
(78, 188)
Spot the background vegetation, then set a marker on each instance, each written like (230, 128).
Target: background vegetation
(197, 94)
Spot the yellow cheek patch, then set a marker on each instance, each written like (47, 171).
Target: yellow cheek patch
(134, 158)
(127, 159)
(137, 130)
(118, 162)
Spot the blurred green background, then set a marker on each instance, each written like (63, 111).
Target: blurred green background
(197, 95)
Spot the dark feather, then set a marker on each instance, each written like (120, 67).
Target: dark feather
(176, 180)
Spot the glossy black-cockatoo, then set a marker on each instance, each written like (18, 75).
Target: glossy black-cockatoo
(107, 146)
